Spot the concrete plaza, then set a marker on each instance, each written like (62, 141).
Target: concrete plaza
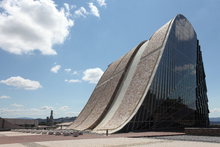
(18, 139)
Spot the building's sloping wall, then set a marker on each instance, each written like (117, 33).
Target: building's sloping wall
(104, 93)
(93, 99)
(106, 89)
(139, 84)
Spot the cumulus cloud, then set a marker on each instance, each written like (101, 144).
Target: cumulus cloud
(67, 70)
(81, 12)
(22, 83)
(73, 81)
(68, 9)
(5, 97)
(94, 10)
(101, 3)
(30, 25)
(75, 72)
(55, 69)
(92, 75)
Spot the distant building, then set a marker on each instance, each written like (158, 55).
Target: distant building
(50, 120)
(9, 123)
(159, 84)
(64, 125)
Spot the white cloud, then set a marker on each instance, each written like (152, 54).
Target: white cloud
(75, 72)
(81, 12)
(101, 3)
(5, 97)
(23, 112)
(215, 110)
(67, 70)
(16, 105)
(68, 9)
(41, 112)
(20, 82)
(73, 81)
(55, 69)
(46, 108)
(64, 108)
(92, 75)
(67, 6)
(29, 25)
(94, 10)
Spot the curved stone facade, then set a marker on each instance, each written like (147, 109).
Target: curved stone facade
(104, 93)
(151, 86)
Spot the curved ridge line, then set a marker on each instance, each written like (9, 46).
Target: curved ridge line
(121, 58)
(116, 89)
(123, 87)
(136, 49)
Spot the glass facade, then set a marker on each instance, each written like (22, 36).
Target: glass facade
(201, 90)
(177, 95)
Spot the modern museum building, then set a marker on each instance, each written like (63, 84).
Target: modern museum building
(159, 84)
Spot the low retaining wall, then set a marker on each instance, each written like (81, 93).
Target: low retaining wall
(203, 131)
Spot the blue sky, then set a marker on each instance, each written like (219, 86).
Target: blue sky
(53, 52)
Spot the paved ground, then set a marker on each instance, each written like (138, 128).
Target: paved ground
(10, 133)
(212, 139)
(18, 137)
(15, 139)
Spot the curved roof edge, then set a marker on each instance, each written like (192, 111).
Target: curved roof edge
(148, 52)
(150, 81)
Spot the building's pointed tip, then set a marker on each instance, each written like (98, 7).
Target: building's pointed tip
(180, 16)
